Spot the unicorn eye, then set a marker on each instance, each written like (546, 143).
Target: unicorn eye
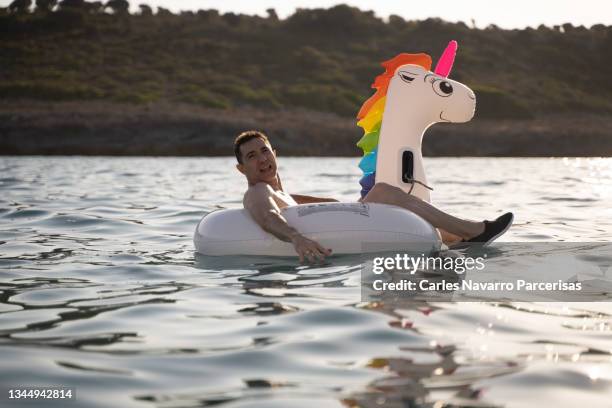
(442, 88)
(406, 76)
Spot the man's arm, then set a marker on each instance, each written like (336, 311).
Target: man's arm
(304, 199)
(262, 207)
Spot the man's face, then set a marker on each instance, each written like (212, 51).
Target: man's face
(258, 161)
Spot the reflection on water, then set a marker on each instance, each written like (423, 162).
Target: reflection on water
(101, 290)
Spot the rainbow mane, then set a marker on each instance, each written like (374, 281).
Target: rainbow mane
(371, 114)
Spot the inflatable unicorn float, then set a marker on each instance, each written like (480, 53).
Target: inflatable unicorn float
(409, 98)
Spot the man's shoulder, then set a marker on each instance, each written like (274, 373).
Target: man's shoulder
(259, 188)
(255, 191)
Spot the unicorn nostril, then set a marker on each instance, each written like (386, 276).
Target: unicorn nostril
(471, 95)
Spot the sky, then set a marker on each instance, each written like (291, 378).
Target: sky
(503, 13)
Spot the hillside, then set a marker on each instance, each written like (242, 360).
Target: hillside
(316, 60)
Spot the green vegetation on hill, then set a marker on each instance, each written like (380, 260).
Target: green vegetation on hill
(319, 59)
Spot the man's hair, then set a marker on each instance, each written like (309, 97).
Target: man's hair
(246, 137)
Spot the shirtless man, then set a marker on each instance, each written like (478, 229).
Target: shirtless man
(265, 198)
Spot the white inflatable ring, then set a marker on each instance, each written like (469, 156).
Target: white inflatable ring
(346, 228)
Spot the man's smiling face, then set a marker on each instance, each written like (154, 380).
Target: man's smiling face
(258, 161)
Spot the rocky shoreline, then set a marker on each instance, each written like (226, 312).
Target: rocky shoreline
(101, 128)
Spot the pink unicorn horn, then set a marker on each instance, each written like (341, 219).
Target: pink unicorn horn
(445, 63)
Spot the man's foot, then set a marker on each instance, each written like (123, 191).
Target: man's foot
(493, 229)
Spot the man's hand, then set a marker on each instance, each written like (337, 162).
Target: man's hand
(264, 210)
(309, 249)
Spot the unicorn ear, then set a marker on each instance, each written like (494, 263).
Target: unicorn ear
(445, 63)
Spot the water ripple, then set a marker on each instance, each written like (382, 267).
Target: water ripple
(101, 290)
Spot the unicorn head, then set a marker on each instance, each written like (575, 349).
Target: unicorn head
(409, 98)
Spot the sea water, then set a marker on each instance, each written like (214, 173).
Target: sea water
(102, 292)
